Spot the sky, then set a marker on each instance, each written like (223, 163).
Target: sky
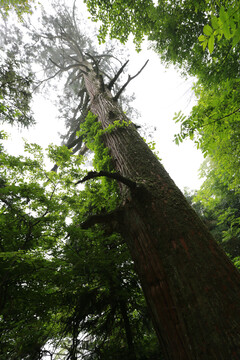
(159, 93)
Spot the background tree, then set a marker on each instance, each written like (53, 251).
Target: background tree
(55, 291)
(15, 94)
(218, 205)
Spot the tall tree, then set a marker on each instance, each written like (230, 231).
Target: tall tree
(191, 288)
(182, 270)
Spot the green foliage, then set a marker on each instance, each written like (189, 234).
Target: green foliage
(122, 18)
(175, 28)
(92, 133)
(220, 199)
(59, 281)
(15, 94)
(218, 207)
(237, 262)
(226, 23)
(214, 126)
(19, 6)
(28, 239)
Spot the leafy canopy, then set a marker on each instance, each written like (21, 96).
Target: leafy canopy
(19, 6)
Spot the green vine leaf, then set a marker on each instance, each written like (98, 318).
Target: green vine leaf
(211, 43)
(207, 30)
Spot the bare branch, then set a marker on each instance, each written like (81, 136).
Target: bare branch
(49, 78)
(130, 78)
(112, 82)
(94, 60)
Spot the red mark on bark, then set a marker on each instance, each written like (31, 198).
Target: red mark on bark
(184, 245)
(235, 355)
(153, 206)
(207, 289)
(174, 244)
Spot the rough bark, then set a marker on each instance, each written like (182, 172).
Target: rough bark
(191, 288)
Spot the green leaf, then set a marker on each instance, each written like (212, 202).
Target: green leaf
(211, 43)
(202, 38)
(223, 15)
(226, 31)
(236, 37)
(225, 23)
(207, 30)
(214, 21)
(219, 36)
(204, 44)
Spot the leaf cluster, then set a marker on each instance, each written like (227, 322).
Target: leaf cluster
(227, 24)
(19, 6)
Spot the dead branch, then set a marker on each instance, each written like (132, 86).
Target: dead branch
(112, 82)
(130, 78)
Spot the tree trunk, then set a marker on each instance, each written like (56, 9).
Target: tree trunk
(191, 288)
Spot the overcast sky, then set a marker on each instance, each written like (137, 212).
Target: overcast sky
(159, 94)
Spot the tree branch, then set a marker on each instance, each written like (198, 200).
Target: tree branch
(212, 122)
(94, 174)
(108, 218)
(130, 78)
(112, 82)
(49, 78)
(94, 61)
(65, 68)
